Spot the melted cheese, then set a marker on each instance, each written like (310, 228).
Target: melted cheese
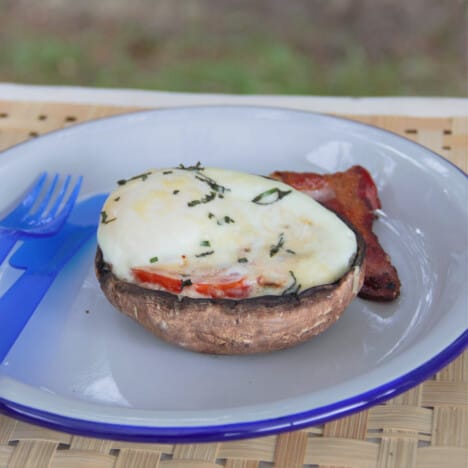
(213, 225)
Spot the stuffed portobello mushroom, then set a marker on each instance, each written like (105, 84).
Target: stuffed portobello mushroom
(224, 262)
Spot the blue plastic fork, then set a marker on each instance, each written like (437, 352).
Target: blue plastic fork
(43, 260)
(41, 212)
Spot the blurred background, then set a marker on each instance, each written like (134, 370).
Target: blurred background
(318, 47)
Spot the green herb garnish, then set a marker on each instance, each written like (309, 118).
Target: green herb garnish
(225, 220)
(216, 189)
(116, 198)
(294, 287)
(105, 218)
(186, 282)
(290, 251)
(175, 192)
(220, 189)
(222, 220)
(167, 172)
(204, 254)
(196, 167)
(207, 198)
(143, 177)
(270, 196)
(205, 243)
(153, 259)
(274, 249)
(242, 260)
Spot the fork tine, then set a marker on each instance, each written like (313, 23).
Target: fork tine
(46, 199)
(69, 204)
(60, 197)
(28, 199)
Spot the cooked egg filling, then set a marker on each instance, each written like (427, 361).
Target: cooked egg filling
(206, 232)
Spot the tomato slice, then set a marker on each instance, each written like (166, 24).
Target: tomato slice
(169, 283)
(236, 289)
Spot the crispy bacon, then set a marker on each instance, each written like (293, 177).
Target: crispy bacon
(353, 195)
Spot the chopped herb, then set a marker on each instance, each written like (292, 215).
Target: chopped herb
(116, 198)
(216, 189)
(143, 177)
(204, 254)
(274, 249)
(294, 287)
(175, 192)
(212, 183)
(167, 172)
(153, 259)
(242, 260)
(290, 251)
(186, 282)
(270, 196)
(222, 220)
(196, 167)
(207, 198)
(105, 218)
(205, 243)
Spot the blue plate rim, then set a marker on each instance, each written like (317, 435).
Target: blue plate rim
(241, 430)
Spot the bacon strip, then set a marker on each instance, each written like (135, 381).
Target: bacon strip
(353, 195)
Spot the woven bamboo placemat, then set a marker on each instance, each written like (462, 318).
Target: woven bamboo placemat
(426, 427)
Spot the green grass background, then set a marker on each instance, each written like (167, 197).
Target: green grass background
(245, 50)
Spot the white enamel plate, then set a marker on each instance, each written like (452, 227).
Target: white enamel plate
(81, 366)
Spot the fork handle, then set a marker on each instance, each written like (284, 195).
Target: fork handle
(18, 304)
(8, 240)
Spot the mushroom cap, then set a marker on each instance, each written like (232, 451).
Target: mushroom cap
(226, 326)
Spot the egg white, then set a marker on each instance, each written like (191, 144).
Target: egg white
(208, 223)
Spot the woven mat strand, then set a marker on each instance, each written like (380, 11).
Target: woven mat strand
(426, 427)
